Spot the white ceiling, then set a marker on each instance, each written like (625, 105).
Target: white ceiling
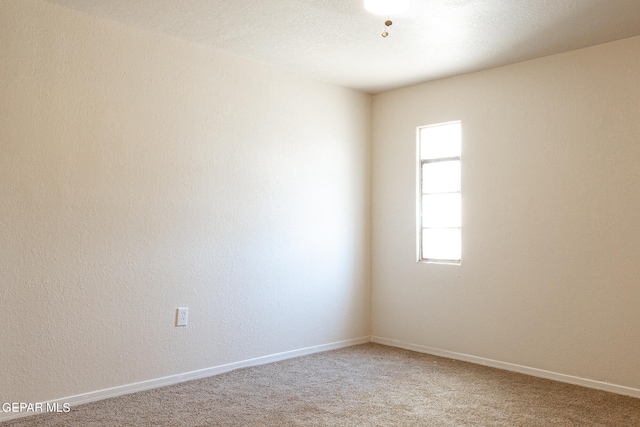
(337, 41)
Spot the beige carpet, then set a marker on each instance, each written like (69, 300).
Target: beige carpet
(365, 385)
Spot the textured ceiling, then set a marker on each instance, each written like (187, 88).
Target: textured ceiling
(337, 41)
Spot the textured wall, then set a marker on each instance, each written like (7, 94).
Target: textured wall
(549, 276)
(139, 173)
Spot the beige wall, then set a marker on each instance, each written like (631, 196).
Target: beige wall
(139, 173)
(551, 210)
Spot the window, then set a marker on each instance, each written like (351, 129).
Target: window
(439, 196)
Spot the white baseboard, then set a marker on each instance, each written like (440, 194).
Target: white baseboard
(94, 396)
(599, 385)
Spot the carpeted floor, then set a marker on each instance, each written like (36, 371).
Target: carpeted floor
(365, 385)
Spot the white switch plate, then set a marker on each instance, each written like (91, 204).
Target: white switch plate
(182, 316)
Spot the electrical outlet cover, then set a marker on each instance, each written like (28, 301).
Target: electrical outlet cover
(182, 316)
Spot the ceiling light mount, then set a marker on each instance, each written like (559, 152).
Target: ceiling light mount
(386, 7)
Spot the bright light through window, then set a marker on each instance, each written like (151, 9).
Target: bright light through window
(439, 193)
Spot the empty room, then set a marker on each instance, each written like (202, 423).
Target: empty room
(320, 212)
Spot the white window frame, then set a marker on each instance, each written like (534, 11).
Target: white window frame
(421, 193)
